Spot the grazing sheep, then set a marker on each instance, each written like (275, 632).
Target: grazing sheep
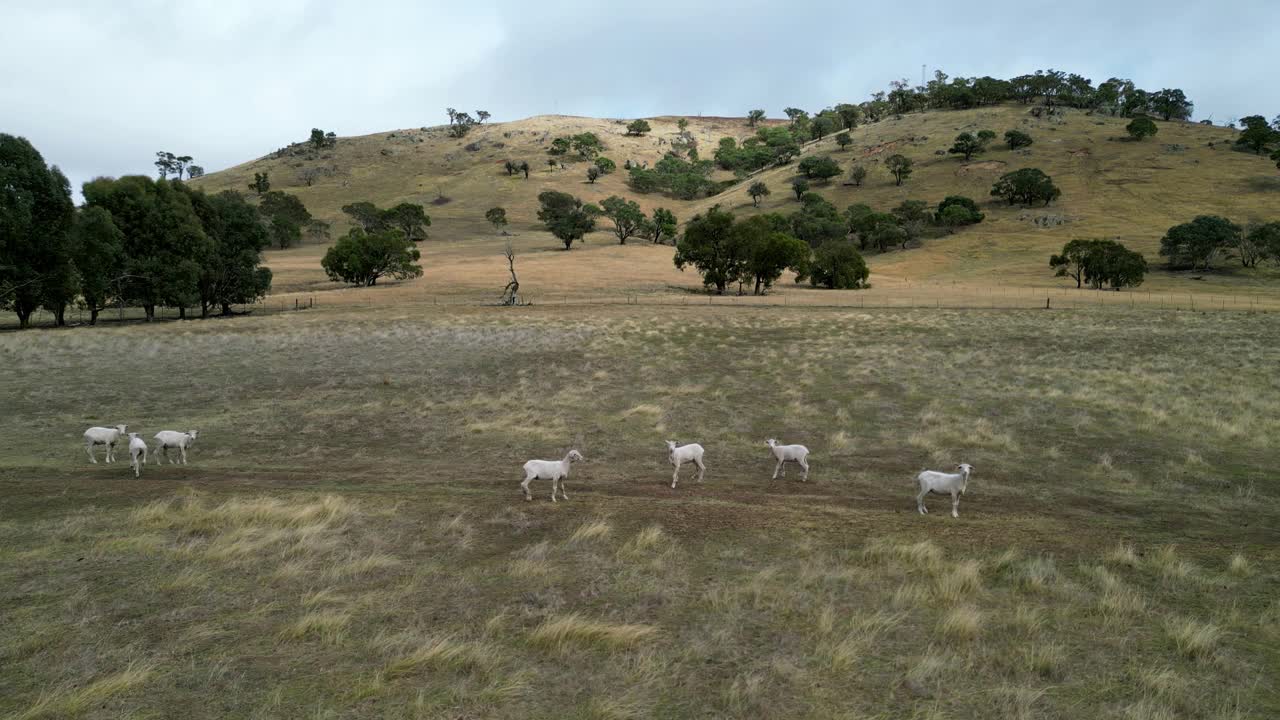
(137, 454)
(103, 436)
(166, 439)
(554, 470)
(789, 453)
(691, 453)
(932, 481)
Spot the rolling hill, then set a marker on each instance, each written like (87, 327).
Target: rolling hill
(1111, 187)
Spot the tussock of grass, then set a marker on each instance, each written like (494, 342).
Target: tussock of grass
(1123, 554)
(1170, 566)
(1028, 618)
(1193, 638)
(1038, 574)
(644, 540)
(442, 653)
(961, 582)
(911, 595)
(593, 530)
(923, 555)
(1240, 566)
(327, 625)
(187, 579)
(1044, 660)
(961, 623)
(1018, 703)
(1161, 681)
(1147, 709)
(531, 561)
(73, 702)
(573, 629)
(357, 565)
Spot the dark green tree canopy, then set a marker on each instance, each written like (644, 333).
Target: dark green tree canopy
(799, 186)
(838, 265)
(967, 145)
(409, 218)
(638, 127)
(844, 140)
(900, 166)
(1027, 186)
(565, 216)
(957, 210)
(1257, 134)
(625, 214)
(1016, 139)
(663, 225)
(1194, 244)
(36, 215)
(497, 217)
(858, 174)
(757, 190)
(1100, 263)
(1141, 127)
(710, 245)
(363, 258)
(816, 167)
(754, 117)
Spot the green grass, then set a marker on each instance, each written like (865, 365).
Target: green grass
(349, 539)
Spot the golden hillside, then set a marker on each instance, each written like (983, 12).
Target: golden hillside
(1111, 187)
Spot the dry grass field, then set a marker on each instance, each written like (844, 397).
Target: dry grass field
(349, 539)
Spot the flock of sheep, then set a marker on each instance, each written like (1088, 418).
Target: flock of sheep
(165, 439)
(930, 481)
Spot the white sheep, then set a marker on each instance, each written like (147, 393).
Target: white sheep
(691, 453)
(137, 454)
(166, 439)
(940, 483)
(554, 470)
(789, 453)
(103, 436)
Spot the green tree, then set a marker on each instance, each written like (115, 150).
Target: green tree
(844, 140)
(754, 117)
(586, 144)
(819, 168)
(957, 210)
(1141, 127)
(858, 174)
(913, 216)
(409, 218)
(482, 115)
(605, 165)
(362, 258)
(560, 146)
(1257, 134)
(166, 162)
(1099, 263)
(625, 214)
(285, 233)
(821, 127)
(317, 138)
(838, 265)
(1194, 244)
(593, 173)
(1071, 262)
(497, 217)
(1028, 186)
(888, 234)
(1016, 139)
(757, 190)
(232, 273)
(662, 225)
(365, 215)
(1266, 237)
(849, 115)
(36, 216)
(638, 127)
(796, 116)
(900, 166)
(817, 221)
(1171, 104)
(97, 248)
(165, 245)
(768, 252)
(285, 216)
(565, 216)
(261, 183)
(195, 171)
(985, 137)
(712, 247)
(967, 145)
(799, 186)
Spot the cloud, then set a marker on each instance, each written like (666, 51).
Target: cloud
(99, 88)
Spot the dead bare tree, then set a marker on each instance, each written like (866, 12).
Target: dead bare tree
(511, 295)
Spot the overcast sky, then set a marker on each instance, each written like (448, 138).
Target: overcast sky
(99, 87)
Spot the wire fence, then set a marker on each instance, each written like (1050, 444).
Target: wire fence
(923, 296)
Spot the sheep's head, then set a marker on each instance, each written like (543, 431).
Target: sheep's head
(122, 429)
(575, 456)
(194, 434)
(770, 442)
(132, 435)
(965, 469)
(671, 444)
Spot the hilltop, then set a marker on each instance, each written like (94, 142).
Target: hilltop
(1111, 187)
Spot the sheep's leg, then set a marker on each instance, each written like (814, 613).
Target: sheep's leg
(804, 464)
(955, 504)
(554, 483)
(183, 448)
(89, 449)
(701, 468)
(563, 495)
(525, 487)
(675, 475)
(920, 502)
(781, 467)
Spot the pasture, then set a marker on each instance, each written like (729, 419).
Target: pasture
(349, 539)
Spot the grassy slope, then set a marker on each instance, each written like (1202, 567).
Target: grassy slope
(349, 539)
(1111, 188)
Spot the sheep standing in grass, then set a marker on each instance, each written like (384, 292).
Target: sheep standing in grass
(166, 439)
(137, 454)
(554, 470)
(691, 453)
(932, 481)
(789, 453)
(103, 436)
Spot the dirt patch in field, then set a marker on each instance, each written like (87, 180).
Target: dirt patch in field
(986, 166)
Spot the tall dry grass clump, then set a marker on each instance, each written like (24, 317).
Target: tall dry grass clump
(1194, 639)
(574, 629)
(73, 702)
